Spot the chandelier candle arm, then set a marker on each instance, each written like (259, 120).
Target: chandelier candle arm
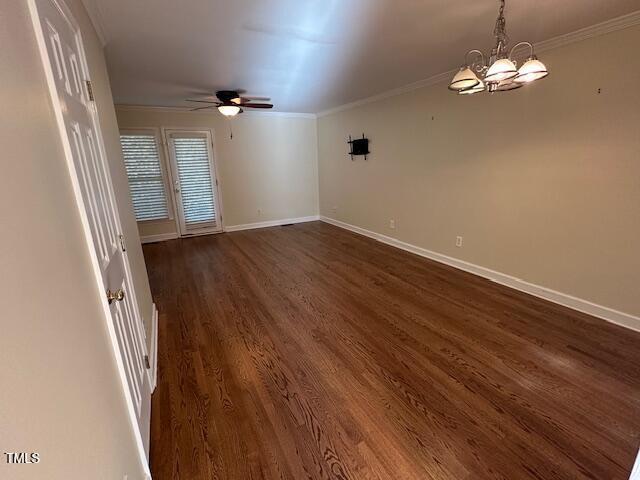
(474, 65)
(498, 71)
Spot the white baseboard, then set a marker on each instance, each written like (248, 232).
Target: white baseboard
(271, 223)
(614, 316)
(235, 228)
(158, 238)
(153, 350)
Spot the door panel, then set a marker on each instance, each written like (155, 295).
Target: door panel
(194, 181)
(67, 74)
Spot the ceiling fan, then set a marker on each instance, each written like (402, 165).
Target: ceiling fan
(230, 103)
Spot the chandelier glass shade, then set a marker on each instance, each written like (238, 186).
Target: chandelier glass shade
(506, 85)
(499, 71)
(480, 87)
(532, 70)
(463, 80)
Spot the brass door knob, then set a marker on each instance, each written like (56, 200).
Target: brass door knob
(118, 296)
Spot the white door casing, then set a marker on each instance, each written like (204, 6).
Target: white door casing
(202, 141)
(67, 73)
(635, 471)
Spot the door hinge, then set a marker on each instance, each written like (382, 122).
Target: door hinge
(122, 245)
(90, 90)
(146, 362)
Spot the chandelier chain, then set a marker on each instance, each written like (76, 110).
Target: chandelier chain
(500, 31)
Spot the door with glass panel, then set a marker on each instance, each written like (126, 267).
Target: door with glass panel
(193, 176)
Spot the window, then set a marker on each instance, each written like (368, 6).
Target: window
(145, 173)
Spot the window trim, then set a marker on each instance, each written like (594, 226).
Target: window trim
(162, 160)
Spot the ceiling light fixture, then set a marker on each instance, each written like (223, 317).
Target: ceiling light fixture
(229, 110)
(501, 72)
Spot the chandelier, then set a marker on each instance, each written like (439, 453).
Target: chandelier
(500, 73)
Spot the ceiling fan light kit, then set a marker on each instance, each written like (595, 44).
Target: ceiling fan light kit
(230, 103)
(229, 110)
(500, 73)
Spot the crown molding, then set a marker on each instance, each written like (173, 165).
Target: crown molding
(427, 82)
(246, 113)
(609, 26)
(96, 17)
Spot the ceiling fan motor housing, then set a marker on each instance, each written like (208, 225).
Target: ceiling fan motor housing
(226, 96)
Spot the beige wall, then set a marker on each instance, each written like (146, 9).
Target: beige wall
(270, 165)
(543, 182)
(60, 394)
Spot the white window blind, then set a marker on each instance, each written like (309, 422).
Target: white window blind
(145, 176)
(196, 189)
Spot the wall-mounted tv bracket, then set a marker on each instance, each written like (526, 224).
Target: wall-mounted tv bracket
(359, 146)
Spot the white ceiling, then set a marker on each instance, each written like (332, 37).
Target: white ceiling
(311, 55)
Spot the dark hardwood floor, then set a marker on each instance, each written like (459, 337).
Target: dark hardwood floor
(309, 352)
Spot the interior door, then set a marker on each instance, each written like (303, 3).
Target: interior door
(195, 185)
(67, 73)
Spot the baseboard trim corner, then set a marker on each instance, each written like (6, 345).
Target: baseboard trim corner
(158, 238)
(605, 313)
(271, 223)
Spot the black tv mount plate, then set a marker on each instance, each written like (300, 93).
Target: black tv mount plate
(359, 146)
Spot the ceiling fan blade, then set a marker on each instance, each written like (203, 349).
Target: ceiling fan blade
(201, 101)
(257, 105)
(202, 108)
(254, 99)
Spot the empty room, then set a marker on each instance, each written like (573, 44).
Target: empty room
(320, 240)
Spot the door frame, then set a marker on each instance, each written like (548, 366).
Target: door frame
(82, 210)
(635, 470)
(213, 166)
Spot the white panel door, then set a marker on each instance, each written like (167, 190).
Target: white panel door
(195, 185)
(68, 78)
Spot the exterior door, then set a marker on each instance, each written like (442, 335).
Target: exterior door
(195, 185)
(68, 77)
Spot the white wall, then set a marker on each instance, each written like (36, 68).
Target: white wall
(270, 165)
(542, 183)
(60, 394)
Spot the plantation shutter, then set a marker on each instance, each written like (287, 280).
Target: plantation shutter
(144, 171)
(196, 185)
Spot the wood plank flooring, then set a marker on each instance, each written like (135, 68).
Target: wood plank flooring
(309, 352)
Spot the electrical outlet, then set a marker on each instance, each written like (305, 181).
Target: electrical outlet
(392, 224)
(334, 209)
(259, 211)
(458, 242)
